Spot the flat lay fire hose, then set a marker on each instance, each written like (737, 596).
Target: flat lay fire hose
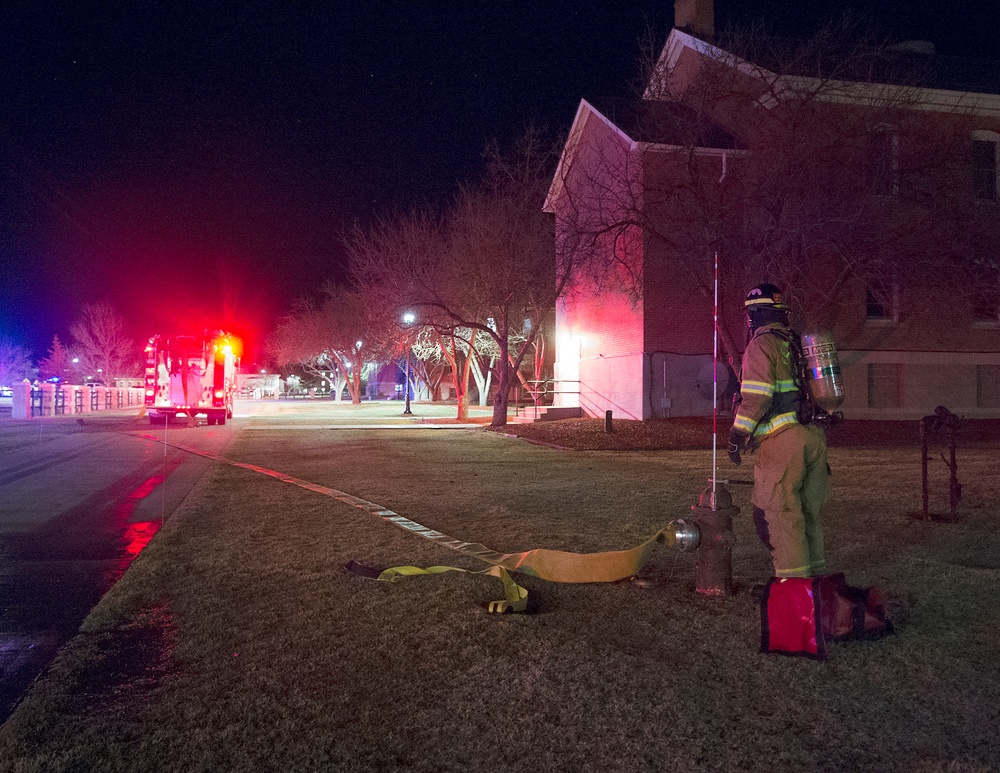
(552, 565)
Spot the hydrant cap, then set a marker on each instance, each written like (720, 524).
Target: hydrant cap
(723, 499)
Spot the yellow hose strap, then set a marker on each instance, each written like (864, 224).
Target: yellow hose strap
(515, 597)
(552, 565)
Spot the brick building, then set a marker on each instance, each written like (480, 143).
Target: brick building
(864, 182)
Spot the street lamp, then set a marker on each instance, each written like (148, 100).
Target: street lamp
(408, 319)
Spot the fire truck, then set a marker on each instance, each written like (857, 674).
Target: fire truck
(191, 375)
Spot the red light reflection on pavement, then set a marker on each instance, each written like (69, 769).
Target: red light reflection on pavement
(137, 535)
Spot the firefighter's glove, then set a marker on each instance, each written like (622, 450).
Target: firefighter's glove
(737, 440)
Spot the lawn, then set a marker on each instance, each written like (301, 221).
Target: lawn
(236, 641)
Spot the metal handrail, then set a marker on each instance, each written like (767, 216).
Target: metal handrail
(540, 393)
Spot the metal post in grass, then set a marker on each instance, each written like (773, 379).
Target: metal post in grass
(941, 420)
(607, 422)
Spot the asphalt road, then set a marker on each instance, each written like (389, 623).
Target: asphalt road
(79, 499)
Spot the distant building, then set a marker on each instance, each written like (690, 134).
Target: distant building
(259, 386)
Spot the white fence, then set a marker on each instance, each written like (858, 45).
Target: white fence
(30, 401)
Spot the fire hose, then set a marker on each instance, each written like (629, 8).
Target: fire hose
(710, 534)
(543, 563)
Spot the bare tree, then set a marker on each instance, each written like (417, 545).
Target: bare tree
(337, 334)
(101, 344)
(15, 362)
(400, 264)
(486, 270)
(484, 361)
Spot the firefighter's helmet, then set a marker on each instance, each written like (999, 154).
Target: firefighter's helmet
(765, 296)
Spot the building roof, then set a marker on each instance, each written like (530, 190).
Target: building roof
(910, 63)
(666, 123)
(839, 71)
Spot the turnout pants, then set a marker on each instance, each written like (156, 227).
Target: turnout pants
(791, 485)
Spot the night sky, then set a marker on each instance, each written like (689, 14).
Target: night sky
(195, 164)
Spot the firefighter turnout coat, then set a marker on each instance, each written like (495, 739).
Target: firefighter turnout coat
(790, 466)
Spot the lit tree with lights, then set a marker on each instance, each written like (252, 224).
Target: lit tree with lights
(455, 348)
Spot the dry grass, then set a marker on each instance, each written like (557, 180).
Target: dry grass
(251, 648)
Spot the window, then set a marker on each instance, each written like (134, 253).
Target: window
(986, 311)
(883, 161)
(882, 301)
(988, 386)
(985, 145)
(885, 385)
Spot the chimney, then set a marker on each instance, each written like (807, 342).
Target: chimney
(696, 17)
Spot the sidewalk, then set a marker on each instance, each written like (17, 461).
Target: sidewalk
(374, 413)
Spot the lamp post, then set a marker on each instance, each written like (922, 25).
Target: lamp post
(408, 319)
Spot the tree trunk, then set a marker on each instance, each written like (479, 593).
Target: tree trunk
(539, 364)
(503, 384)
(462, 392)
(434, 380)
(355, 388)
(484, 377)
(488, 379)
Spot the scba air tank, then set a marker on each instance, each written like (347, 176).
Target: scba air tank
(823, 370)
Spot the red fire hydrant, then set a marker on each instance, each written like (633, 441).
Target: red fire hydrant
(711, 535)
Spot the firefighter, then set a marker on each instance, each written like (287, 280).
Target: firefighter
(790, 469)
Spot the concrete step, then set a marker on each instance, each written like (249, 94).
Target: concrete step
(545, 413)
(550, 413)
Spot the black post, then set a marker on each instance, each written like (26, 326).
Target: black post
(954, 488)
(923, 462)
(406, 411)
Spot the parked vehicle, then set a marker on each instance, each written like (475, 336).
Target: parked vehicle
(191, 375)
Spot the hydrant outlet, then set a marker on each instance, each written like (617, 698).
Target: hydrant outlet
(687, 537)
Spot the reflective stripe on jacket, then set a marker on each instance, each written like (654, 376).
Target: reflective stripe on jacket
(770, 397)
